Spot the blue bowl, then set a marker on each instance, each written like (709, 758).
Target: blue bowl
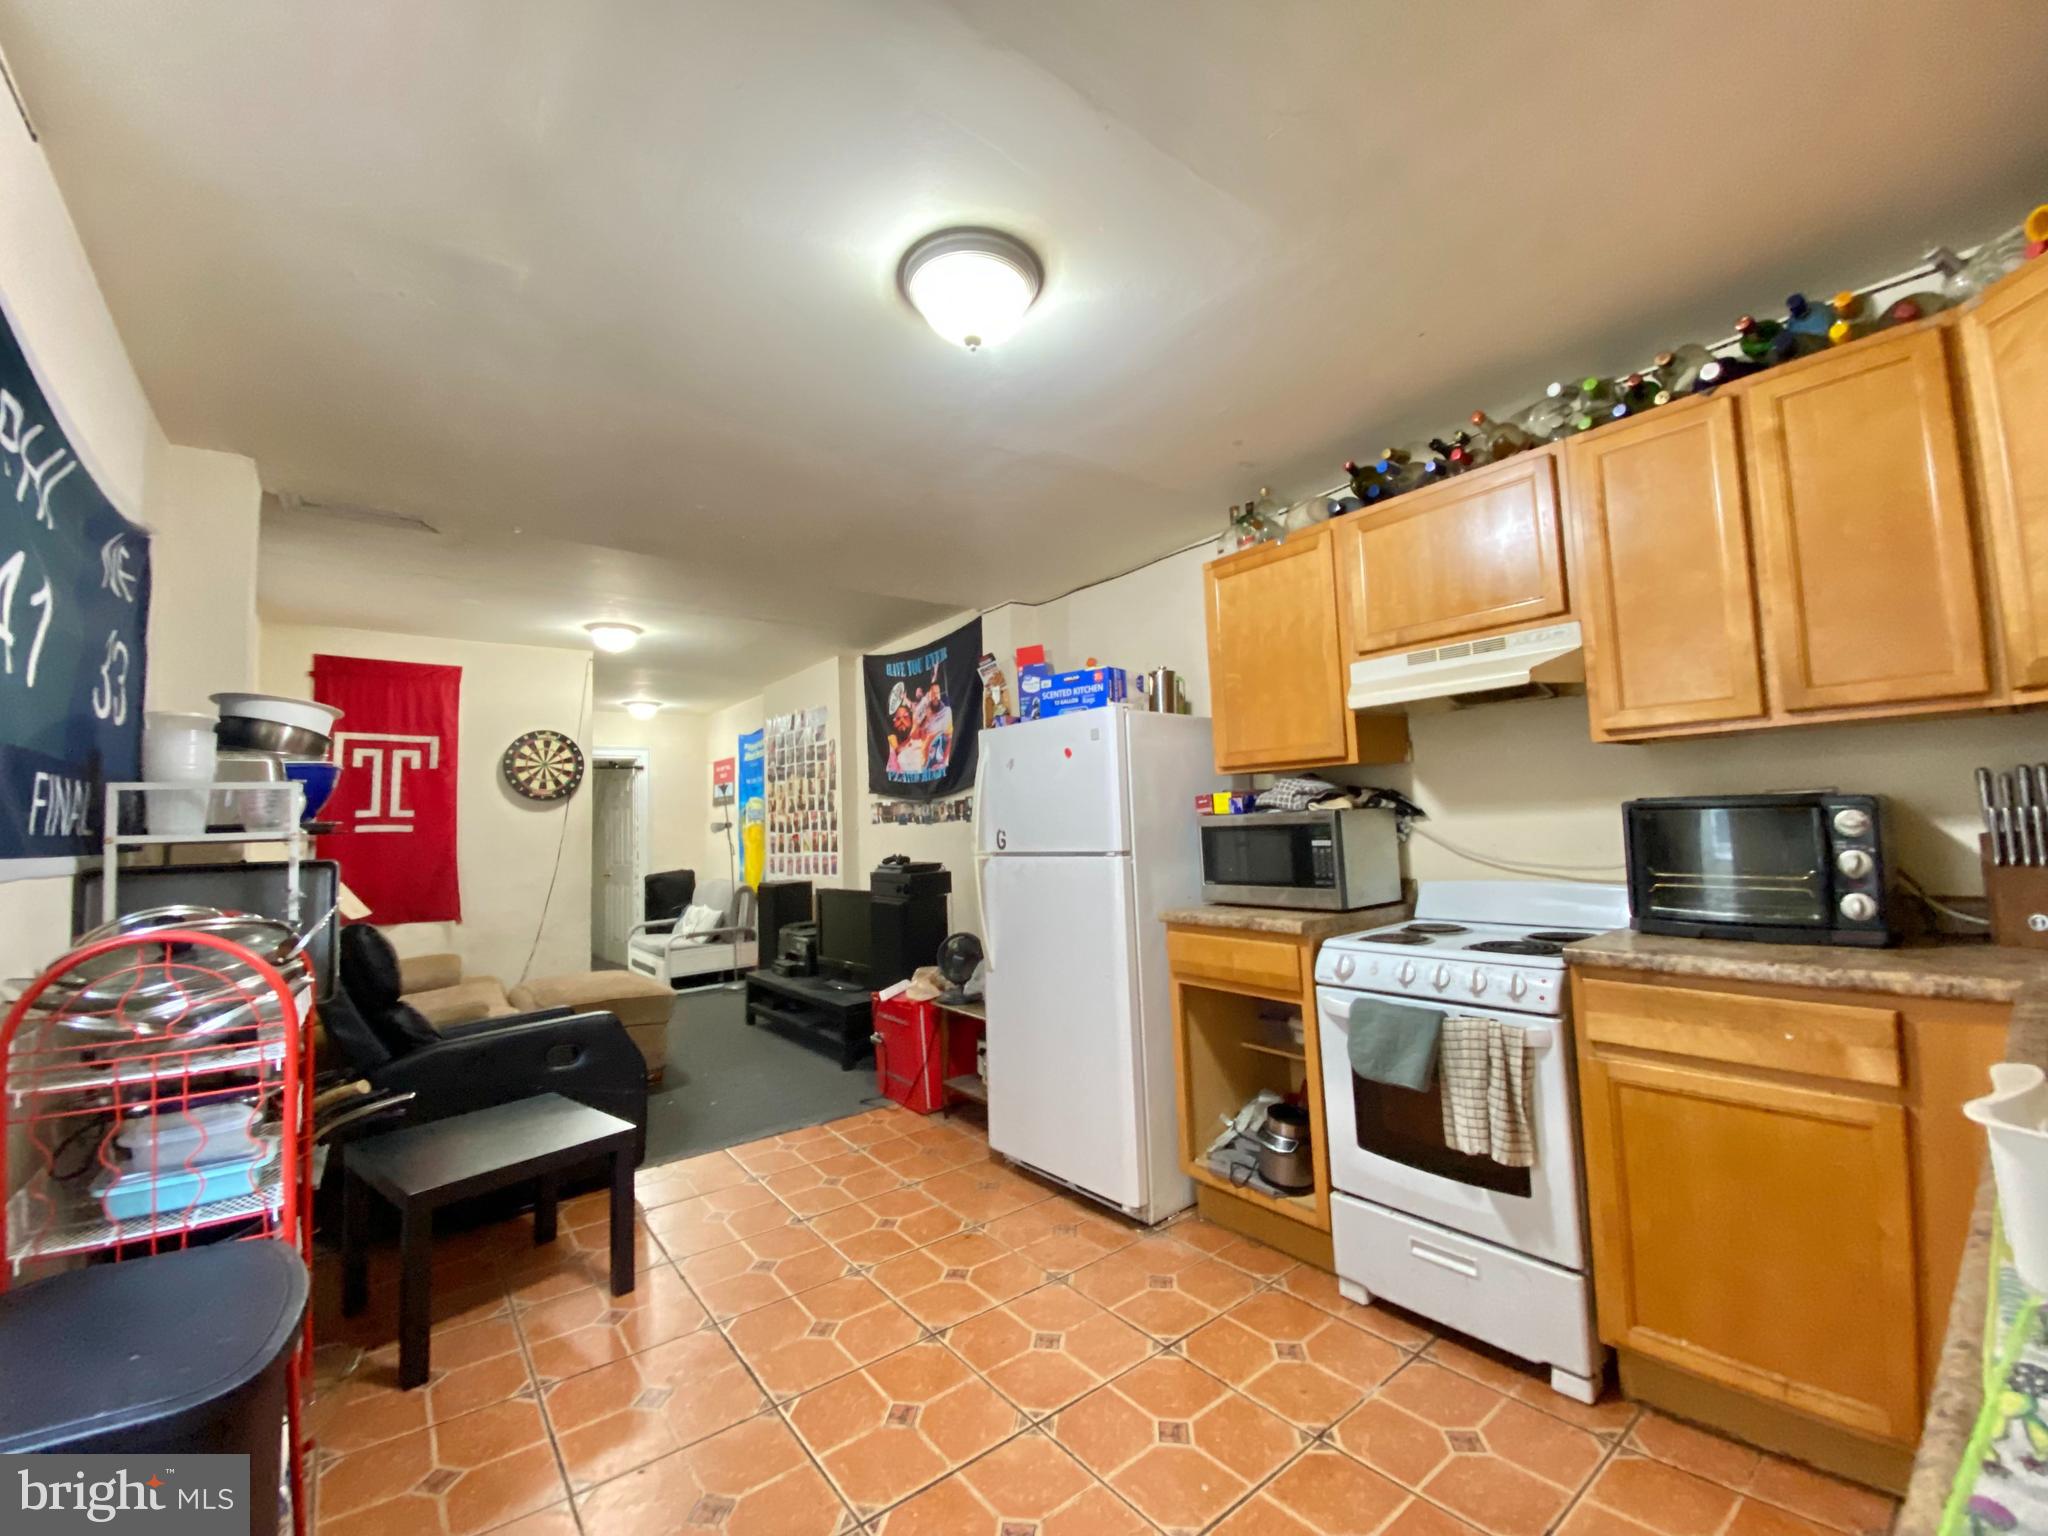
(319, 780)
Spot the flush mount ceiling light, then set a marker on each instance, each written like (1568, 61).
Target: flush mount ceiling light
(613, 637)
(643, 709)
(971, 285)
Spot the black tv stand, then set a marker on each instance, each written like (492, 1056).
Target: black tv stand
(816, 1003)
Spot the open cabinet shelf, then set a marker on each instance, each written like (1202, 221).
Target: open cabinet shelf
(1227, 1058)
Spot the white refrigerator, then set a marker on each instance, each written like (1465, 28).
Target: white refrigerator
(1085, 833)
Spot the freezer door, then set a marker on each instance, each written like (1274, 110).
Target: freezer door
(1063, 1090)
(1054, 786)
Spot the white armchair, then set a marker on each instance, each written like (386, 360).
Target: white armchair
(715, 936)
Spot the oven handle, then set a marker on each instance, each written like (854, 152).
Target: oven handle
(1539, 1038)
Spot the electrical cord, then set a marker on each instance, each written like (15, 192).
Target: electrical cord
(1932, 905)
(583, 717)
(1587, 874)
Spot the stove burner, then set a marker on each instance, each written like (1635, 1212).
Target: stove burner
(1427, 928)
(1557, 936)
(1399, 936)
(1516, 947)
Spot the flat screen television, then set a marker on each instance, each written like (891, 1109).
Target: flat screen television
(843, 922)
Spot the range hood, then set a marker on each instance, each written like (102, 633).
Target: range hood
(1500, 664)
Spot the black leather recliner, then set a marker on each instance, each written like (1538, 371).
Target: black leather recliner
(587, 1057)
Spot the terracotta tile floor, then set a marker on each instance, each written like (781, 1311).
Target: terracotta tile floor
(873, 1327)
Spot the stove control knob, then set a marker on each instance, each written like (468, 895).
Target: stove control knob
(1440, 977)
(1407, 972)
(1859, 908)
(1854, 863)
(1345, 966)
(1851, 822)
(1517, 986)
(1478, 981)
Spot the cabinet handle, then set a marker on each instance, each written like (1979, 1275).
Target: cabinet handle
(1442, 1260)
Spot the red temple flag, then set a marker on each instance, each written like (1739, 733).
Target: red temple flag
(397, 744)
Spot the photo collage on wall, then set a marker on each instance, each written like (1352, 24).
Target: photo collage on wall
(802, 764)
(920, 813)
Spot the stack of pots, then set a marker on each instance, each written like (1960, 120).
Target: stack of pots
(267, 740)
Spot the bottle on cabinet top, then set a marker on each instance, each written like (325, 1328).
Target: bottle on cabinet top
(1678, 370)
(1852, 317)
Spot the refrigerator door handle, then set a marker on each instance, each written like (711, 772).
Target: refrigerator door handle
(988, 938)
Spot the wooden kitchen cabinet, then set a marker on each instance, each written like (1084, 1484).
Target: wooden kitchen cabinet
(1277, 671)
(1662, 573)
(1779, 1185)
(1866, 554)
(2005, 343)
(1480, 554)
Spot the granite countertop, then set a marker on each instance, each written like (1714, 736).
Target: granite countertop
(1313, 926)
(1958, 1394)
(1967, 970)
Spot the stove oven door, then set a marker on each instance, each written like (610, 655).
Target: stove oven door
(1387, 1145)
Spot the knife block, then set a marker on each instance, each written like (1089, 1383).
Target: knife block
(2018, 898)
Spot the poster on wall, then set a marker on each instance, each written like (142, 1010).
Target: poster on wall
(753, 803)
(924, 717)
(802, 762)
(723, 772)
(396, 742)
(74, 615)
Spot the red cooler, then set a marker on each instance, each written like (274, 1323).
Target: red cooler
(914, 1056)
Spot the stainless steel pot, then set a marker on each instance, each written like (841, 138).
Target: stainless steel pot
(1284, 1158)
(241, 734)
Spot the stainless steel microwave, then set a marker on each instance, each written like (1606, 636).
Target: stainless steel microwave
(1325, 861)
(1779, 869)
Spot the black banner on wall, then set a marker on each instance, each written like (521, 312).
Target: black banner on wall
(924, 717)
(74, 613)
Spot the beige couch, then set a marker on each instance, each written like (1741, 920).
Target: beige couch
(435, 985)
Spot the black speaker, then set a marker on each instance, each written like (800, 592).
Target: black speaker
(907, 907)
(778, 902)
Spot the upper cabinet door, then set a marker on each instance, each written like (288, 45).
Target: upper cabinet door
(1478, 554)
(1276, 667)
(1663, 579)
(1869, 581)
(2006, 342)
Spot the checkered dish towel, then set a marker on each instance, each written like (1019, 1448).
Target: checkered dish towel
(1484, 1072)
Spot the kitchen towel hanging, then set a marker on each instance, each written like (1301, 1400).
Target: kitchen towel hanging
(1484, 1067)
(1392, 1043)
(74, 613)
(395, 800)
(924, 716)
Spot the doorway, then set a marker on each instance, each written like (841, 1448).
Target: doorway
(618, 848)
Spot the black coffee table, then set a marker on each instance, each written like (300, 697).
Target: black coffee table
(424, 1167)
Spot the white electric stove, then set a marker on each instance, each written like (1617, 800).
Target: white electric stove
(1495, 1252)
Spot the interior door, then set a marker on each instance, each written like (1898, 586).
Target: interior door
(1479, 553)
(614, 840)
(1063, 1090)
(2006, 342)
(1869, 579)
(1665, 596)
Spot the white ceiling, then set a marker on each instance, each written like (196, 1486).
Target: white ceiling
(621, 274)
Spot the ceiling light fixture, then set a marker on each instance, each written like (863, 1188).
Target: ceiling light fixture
(971, 285)
(613, 637)
(643, 709)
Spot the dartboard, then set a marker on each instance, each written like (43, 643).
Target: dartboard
(544, 765)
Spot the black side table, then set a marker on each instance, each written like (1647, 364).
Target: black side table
(425, 1167)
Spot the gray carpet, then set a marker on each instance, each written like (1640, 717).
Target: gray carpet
(728, 1083)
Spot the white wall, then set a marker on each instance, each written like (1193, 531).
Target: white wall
(200, 507)
(518, 859)
(679, 753)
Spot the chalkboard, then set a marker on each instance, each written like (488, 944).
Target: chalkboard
(74, 614)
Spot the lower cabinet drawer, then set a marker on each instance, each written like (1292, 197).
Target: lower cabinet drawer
(1235, 959)
(1851, 1042)
(1510, 1300)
